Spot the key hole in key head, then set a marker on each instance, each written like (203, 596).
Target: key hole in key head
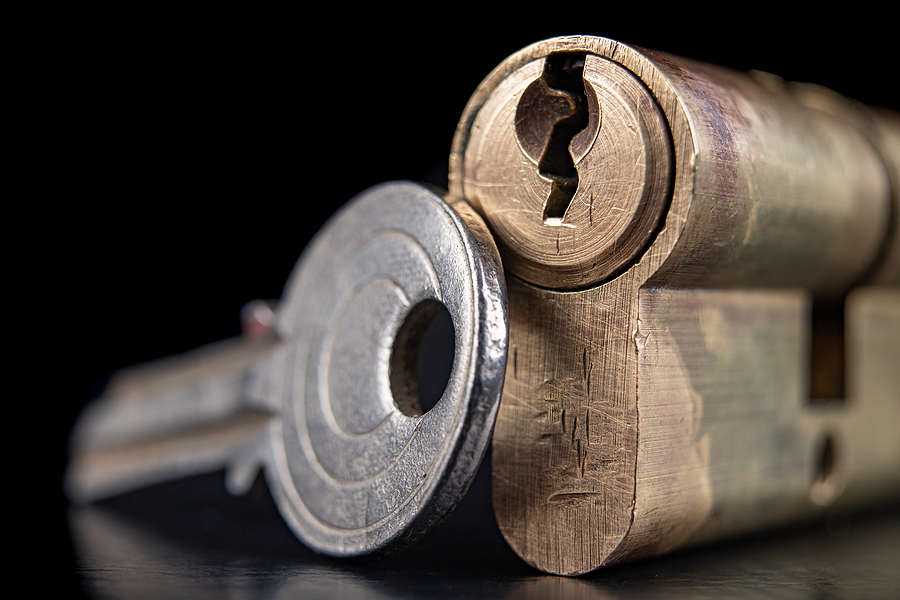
(422, 358)
(555, 108)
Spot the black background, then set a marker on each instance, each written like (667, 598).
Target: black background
(184, 160)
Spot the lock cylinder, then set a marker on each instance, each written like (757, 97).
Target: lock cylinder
(582, 153)
(673, 231)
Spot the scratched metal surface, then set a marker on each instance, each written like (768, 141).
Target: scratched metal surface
(189, 539)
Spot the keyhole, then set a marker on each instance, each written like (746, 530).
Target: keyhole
(422, 358)
(552, 111)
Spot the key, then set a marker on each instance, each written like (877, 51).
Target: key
(328, 405)
(689, 251)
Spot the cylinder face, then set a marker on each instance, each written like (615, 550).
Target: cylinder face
(571, 201)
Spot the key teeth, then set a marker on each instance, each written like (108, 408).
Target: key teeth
(239, 478)
(242, 472)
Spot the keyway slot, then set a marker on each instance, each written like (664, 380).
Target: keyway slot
(563, 73)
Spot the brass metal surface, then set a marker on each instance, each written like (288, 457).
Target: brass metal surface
(660, 395)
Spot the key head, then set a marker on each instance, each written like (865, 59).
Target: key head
(357, 466)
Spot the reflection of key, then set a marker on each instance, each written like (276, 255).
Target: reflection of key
(329, 408)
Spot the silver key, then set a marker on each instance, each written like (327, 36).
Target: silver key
(328, 408)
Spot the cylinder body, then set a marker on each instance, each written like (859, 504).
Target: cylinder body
(664, 400)
(782, 195)
(775, 193)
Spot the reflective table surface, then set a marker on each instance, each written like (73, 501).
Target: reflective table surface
(190, 539)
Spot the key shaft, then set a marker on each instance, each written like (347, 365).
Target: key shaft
(178, 416)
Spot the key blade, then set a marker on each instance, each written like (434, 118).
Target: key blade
(188, 414)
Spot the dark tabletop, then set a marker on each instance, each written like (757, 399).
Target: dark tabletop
(190, 539)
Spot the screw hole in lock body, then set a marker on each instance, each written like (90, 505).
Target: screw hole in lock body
(422, 358)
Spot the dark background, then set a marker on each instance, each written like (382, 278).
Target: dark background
(188, 158)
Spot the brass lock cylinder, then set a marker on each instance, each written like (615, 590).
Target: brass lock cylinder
(663, 150)
(667, 224)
